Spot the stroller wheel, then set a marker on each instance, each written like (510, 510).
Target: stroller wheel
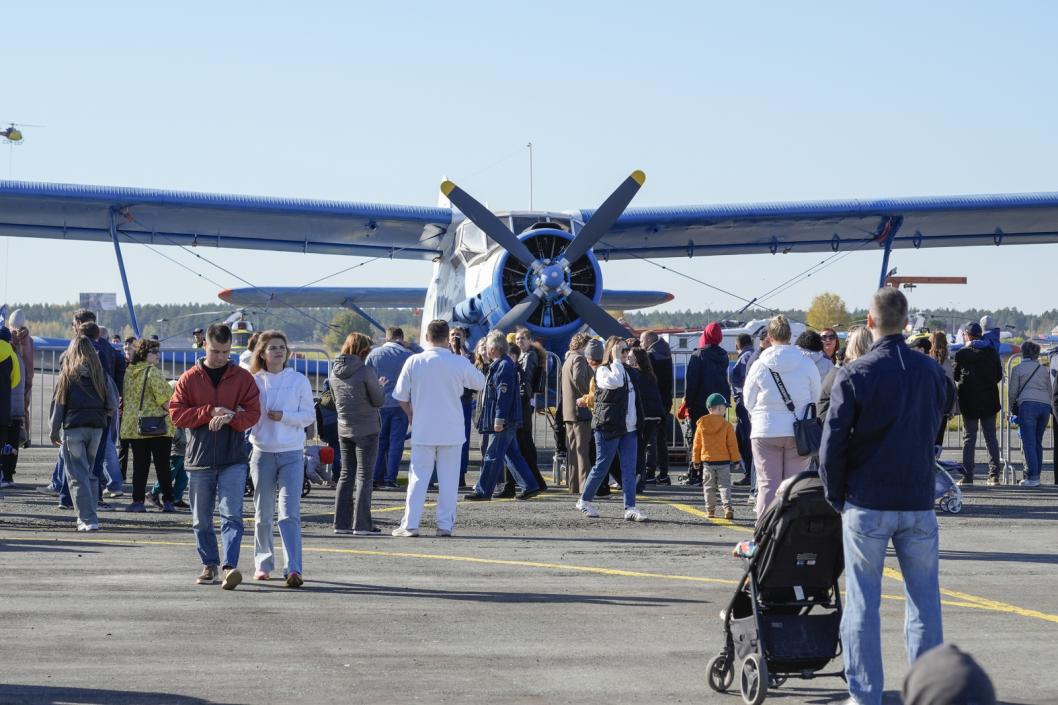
(720, 672)
(306, 487)
(954, 505)
(754, 681)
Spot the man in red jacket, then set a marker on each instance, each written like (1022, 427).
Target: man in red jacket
(217, 402)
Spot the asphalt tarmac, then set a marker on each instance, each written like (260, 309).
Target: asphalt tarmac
(528, 603)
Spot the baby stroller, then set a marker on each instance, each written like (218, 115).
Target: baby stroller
(783, 620)
(947, 494)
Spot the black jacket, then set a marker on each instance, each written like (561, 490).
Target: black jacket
(661, 358)
(978, 373)
(649, 395)
(885, 411)
(706, 374)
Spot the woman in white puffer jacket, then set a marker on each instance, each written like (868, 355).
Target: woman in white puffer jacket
(775, 456)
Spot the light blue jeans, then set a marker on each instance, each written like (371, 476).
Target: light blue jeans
(79, 446)
(866, 534)
(207, 489)
(605, 449)
(282, 473)
(1032, 424)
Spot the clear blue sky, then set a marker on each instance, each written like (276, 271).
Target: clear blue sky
(717, 102)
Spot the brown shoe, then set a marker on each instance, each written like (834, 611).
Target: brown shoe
(294, 580)
(232, 577)
(208, 576)
(710, 513)
(729, 513)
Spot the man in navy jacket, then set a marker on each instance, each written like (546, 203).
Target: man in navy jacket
(877, 464)
(501, 414)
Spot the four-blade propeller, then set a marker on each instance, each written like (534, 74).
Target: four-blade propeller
(550, 276)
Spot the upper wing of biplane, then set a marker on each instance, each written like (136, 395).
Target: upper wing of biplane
(65, 211)
(73, 212)
(820, 226)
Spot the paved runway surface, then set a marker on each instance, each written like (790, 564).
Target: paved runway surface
(529, 603)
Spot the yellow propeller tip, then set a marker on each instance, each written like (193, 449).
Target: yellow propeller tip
(639, 177)
(447, 187)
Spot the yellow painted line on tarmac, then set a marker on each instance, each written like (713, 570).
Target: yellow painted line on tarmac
(595, 570)
(982, 602)
(959, 599)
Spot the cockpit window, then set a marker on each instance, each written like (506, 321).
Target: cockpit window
(472, 240)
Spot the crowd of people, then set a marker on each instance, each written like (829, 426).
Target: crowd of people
(883, 409)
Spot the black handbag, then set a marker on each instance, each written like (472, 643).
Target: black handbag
(150, 425)
(808, 430)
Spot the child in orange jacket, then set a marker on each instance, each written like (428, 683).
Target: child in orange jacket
(716, 447)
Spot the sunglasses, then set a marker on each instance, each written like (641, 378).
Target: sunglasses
(829, 337)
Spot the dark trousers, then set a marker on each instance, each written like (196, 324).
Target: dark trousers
(657, 448)
(144, 451)
(969, 444)
(9, 445)
(464, 458)
(352, 497)
(648, 431)
(524, 438)
(742, 431)
(123, 458)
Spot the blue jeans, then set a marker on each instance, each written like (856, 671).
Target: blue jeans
(283, 473)
(107, 467)
(605, 449)
(500, 445)
(207, 489)
(866, 534)
(390, 443)
(79, 446)
(1032, 423)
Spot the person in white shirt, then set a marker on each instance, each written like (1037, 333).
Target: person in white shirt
(428, 389)
(277, 464)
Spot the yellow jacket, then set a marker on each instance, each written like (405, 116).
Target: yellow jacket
(155, 398)
(8, 353)
(715, 441)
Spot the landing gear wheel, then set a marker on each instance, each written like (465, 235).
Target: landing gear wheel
(720, 673)
(306, 487)
(754, 680)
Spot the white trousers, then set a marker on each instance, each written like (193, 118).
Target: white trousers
(424, 459)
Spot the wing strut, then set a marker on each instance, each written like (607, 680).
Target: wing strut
(121, 270)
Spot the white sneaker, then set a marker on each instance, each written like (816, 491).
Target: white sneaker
(633, 514)
(1029, 483)
(587, 509)
(114, 495)
(6, 483)
(443, 533)
(81, 526)
(401, 532)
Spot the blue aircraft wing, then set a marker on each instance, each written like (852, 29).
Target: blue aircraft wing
(821, 226)
(74, 212)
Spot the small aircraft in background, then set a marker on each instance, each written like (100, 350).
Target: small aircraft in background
(541, 269)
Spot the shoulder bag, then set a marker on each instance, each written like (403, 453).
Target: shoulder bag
(1014, 406)
(808, 431)
(150, 425)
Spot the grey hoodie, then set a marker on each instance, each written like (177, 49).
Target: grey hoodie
(357, 397)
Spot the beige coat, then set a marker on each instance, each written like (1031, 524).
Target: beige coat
(576, 378)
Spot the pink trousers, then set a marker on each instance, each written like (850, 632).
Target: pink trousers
(774, 460)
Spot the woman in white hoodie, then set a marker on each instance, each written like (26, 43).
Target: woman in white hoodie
(277, 464)
(775, 454)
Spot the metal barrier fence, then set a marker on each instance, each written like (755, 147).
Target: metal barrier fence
(307, 360)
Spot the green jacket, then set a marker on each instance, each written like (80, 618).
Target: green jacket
(155, 399)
